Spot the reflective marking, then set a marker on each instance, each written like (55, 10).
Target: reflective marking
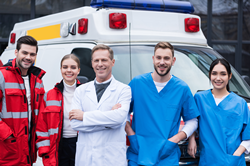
(36, 111)
(45, 96)
(42, 134)
(14, 86)
(53, 103)
(14, 115)
(53, 131)
(45, 33)
(43, 143)
(39, 85)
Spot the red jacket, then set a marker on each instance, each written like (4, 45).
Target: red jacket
(18, 151)
(50, 125)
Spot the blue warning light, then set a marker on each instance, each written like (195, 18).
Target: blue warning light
(154, 5)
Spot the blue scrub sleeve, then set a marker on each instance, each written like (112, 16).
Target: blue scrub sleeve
(189, 108)
(132, 97)
(134, 147)
(246, 124)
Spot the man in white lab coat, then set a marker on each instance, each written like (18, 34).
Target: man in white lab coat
(99, 112)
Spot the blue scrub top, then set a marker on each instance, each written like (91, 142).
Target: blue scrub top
(222, 128)
(156, 118)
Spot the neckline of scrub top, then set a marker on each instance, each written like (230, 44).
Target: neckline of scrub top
(153, 86)
(219, 100)
(223, 102)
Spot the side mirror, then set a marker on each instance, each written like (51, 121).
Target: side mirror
(247, 79)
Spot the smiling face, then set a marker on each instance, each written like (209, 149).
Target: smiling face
(102, 65)
(69, 70)
(220, 77)
(25, 57)
(163, 61)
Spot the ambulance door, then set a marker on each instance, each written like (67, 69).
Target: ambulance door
(49, 59)
(7, 55)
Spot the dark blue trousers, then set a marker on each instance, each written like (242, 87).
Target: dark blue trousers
(67, 152)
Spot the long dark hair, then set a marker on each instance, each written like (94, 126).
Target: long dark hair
(225, 63)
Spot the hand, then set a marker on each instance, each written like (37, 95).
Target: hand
(178, 137)
(116, 106)
(173, 139)
(11, 136)
(128, 129)
(76, 114)
(192, 146)
(241, 149)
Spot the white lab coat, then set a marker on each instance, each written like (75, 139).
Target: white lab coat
(101, 138)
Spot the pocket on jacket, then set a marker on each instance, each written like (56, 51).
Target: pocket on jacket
(115, 154)
(134, 146)
(168, 149)
(234, 160)
(9, 149)
(53, 116)
(15, 96)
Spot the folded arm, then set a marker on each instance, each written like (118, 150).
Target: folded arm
(101, 120)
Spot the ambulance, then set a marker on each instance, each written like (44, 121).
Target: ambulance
(131, 28)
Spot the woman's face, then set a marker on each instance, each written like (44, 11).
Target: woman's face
(219, 77)
(69, 70)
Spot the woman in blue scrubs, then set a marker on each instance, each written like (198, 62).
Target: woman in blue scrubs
(224, 130)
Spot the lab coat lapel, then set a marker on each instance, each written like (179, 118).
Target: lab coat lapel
(107, 93)
(91, 93)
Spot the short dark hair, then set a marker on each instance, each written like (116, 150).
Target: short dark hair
(225, 63)
(164, 45)
(103, 47)
(71, 56)
(26, 40)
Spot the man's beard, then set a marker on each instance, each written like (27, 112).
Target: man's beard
(168, 70)
(23, 66)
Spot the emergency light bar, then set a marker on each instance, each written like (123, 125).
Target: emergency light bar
(156, 5)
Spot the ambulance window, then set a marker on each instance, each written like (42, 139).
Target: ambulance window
(192, 65)
(205, 57)
(121, 69)
(84, 54)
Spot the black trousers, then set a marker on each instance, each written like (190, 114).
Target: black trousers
(67, 152)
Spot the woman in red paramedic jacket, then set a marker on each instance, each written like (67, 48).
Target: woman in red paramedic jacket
(56, 139)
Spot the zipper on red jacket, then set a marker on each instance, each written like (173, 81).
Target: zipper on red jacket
(33, 127)
(28, 159)
(58, 135)
(26, 128)
(57, 144)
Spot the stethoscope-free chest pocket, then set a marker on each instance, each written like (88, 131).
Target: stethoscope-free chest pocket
(233, 121)
(170, 113)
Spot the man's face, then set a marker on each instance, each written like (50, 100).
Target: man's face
(163, 61)
(102, 65)
(25, 57)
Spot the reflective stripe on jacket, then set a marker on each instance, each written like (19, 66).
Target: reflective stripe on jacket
(14, 114)
(50, 125)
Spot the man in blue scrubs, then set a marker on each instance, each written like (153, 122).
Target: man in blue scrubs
(159, 100)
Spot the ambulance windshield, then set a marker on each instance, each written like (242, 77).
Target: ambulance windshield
(192, 65)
